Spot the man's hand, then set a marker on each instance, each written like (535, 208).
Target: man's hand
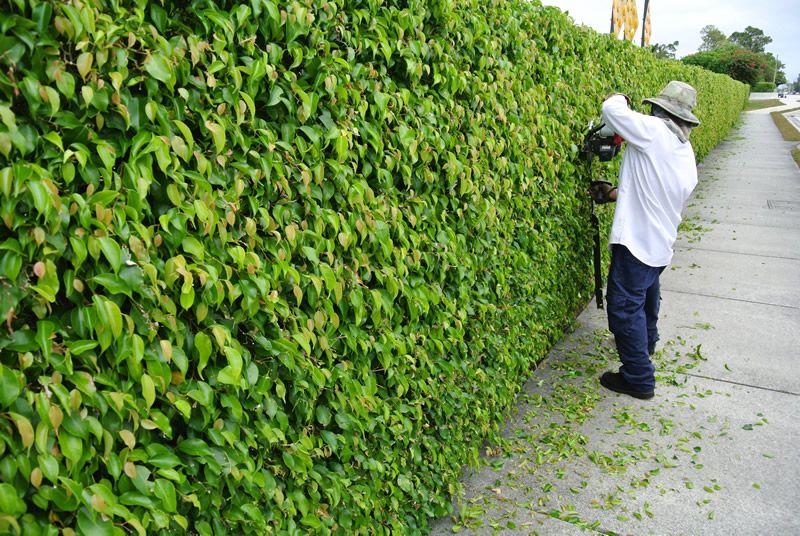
(603, 192)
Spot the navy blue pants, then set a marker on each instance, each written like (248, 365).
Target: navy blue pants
(633, 296)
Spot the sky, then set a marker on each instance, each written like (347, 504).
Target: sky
(682, 20)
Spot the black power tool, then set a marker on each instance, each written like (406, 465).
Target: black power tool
(601, 142)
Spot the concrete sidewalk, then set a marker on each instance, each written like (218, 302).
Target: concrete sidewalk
(716, 451)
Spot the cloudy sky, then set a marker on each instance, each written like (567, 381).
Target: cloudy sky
(682, 20)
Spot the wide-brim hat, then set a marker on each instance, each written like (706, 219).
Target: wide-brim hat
(679, 99)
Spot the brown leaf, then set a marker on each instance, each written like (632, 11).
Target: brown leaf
(39, 269)
(9, 317)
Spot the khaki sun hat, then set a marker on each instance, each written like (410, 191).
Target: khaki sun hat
(679, 99)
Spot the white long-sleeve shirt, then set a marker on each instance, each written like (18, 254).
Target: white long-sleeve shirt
(657, 175)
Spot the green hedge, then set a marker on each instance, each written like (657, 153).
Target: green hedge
(281, 267)
(764, 87)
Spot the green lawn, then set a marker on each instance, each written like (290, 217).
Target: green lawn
(761, 104)
(788, 130)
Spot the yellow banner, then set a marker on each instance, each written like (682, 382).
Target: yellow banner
(624, 18)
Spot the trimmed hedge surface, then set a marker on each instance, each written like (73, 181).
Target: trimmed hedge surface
(281, 267)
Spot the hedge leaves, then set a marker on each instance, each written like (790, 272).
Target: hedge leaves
(281, 266)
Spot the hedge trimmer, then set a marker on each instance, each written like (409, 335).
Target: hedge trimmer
(605, 144)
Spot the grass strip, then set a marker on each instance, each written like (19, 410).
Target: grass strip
(761, 104)
(796, 156)
(788, 130)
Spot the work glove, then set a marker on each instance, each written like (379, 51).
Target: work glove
(601, 192)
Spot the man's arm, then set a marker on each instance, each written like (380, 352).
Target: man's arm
(637, 129)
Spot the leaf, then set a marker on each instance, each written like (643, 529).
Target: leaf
(111, 251)
(128, 438)
(165, 491)
(186, 133)
(114, 317)
(6, 180)
(44, 329)
(84, 64)
(345, 421)
(330, 438)
(49, 466)
(113, 283)
(56, 417)
(65, 83)
(54, 138)
(94, 525)
(302, 341)
(160, 69)
(53, 99)
(166, 349)
(10, 265)
(293, 462)
(204, 346)
(148, 390)
(164, 460)
(323, 415)
(194, 447)
(311, 254)
(218, 134)
(41, 197)
(10, 503)
(234, 360)
(10, 385)
(134, 498)
(71, 446)
(193, 246)
(404, 483)
(24, 428)
(41, 16)
(5, 144)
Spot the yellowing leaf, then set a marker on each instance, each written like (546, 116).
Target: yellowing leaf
(53, 99)
(36, 478)
(128, 438)
(218, 134)
(56, 416)
(166, 349)
(7, 179)
(24, 428)
(84, 64)
(130, 469)
(298, 294)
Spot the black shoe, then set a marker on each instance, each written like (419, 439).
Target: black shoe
(614, 382)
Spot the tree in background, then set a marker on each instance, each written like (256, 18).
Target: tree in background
(743, 65)
(664, 51)
(752, 39)
(739, 63)
(712, 37)
(770, 71)
(741, 56)
(709, 60)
